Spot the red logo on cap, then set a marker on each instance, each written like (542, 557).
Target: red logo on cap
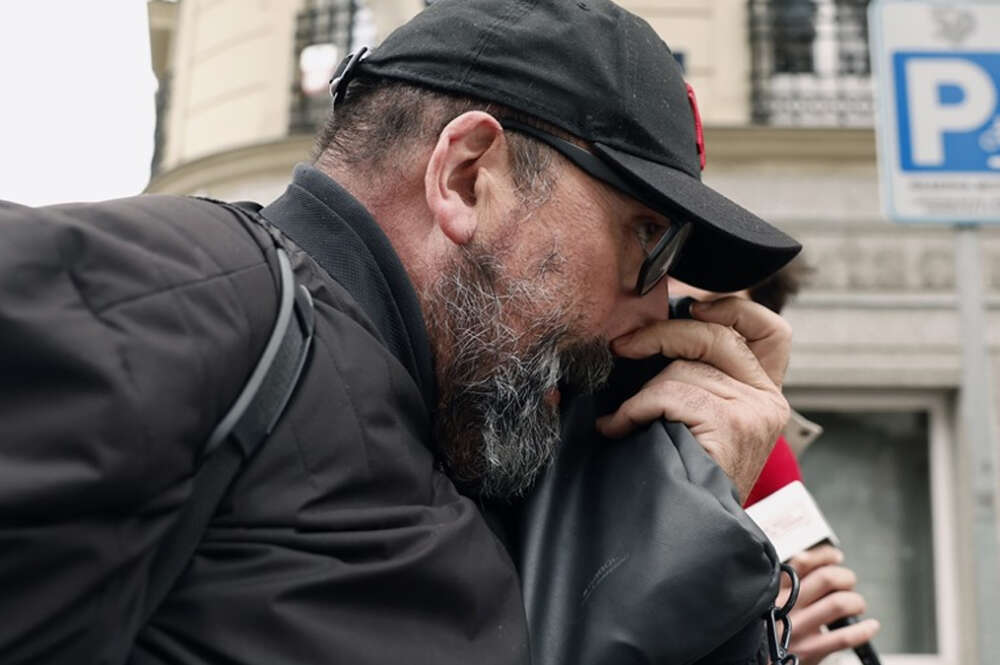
(699, 134)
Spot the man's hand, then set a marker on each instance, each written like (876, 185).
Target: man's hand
(826, 593)
(725, 384)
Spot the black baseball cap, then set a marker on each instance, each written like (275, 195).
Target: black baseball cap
(603, 75)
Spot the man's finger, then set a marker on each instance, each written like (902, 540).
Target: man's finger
(828, 609)
(711, 343)
(815, 557)
(823, 581)
(818, 583)
(673, 400)
(702, 375)
(767, 335)
(812, 648)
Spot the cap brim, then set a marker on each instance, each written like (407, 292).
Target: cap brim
(729, 248)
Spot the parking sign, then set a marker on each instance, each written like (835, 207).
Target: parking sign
(937, 67)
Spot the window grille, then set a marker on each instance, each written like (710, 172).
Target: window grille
(327, 26)
(810, 63)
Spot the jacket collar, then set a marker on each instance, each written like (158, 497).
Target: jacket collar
(339, 233)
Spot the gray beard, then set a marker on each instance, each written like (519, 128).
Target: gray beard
(494, 423)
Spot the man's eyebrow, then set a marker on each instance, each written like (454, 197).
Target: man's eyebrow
(637, 209)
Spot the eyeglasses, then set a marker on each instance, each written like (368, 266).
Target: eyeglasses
(662, 257)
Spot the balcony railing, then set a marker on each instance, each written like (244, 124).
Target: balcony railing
(810, 63)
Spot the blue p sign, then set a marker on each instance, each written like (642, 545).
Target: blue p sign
(948, 114)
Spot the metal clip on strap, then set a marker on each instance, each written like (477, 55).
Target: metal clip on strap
(778, 646)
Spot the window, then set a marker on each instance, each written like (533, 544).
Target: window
(810, 62)
(317, 63)
(326, 31)
(881, 474)
(794, 32)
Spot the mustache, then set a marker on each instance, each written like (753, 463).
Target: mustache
(582, 366)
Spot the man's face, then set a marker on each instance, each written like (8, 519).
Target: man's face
(527, 307)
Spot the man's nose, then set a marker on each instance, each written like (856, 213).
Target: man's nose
(634, 312)
(655, 305)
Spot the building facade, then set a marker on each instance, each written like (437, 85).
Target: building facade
(785, 91)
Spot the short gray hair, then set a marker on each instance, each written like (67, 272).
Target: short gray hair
(379, 117)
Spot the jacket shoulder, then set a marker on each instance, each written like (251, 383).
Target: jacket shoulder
(129, 247)
(127, 328)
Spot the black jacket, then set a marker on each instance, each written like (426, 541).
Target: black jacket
(126, 329)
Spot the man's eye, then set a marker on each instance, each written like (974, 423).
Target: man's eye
(649, 233)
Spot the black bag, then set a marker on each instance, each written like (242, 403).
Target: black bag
(638, 551)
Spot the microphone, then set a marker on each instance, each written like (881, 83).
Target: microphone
(793, 522)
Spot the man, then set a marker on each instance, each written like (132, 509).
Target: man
(498, 193)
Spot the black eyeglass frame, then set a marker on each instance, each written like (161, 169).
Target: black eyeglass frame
(595, 167)
(670, 245)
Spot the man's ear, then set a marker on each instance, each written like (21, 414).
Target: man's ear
(468, 160)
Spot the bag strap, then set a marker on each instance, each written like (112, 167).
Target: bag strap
(239, 433)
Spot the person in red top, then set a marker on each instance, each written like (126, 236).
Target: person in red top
(827, 587)
(780, 469)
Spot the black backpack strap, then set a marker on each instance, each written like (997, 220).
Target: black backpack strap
(238, 435)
